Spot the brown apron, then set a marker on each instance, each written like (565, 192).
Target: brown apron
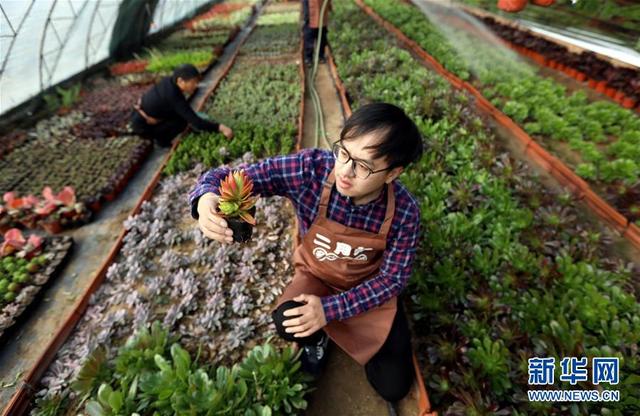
(334, 258)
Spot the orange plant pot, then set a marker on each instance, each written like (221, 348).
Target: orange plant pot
(628, 102)
(581, 76)
(592, 83)
(601, 86)
(611, 92)
(512, 6)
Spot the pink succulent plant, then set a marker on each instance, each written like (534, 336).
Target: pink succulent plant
(14, 241)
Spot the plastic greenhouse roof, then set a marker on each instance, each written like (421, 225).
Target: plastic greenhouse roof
(45, 42)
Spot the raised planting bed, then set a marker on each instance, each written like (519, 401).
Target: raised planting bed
(281, 7)
(186, 39)
(596, 139)
(129, 67)
(615, 19)
(585, 66)
(165, 62)
(234, 19)
(273, 39)
(27, 263)
(215, 298)
(507, 269)
(183, 45)
(227, 11)
(259, 100)
(97, 169)
(108, 108)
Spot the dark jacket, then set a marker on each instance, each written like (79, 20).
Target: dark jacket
(166, 102)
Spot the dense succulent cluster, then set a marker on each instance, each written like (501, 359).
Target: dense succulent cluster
(263, 122)
(94, 168)
(153, 374)
(217, 296)
(599, 139)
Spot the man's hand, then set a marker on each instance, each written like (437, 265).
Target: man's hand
(211, 223)
(312, 316)
(228, 133)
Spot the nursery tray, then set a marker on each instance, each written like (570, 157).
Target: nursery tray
(12, 311)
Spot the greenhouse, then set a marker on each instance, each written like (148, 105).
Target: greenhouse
(320, 208)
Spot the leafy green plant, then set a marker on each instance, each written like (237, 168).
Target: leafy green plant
(276, 381)
(167, 62)
(145, 378)
(62, 98)
(491, 359)
(52, 406)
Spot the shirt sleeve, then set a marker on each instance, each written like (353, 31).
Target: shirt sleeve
(397, 263)
(280, 175)
(185, 112)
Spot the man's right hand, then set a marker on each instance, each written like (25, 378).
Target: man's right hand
(210, 222)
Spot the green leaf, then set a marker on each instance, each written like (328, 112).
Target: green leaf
(104, 392)
(94, 408)
(133, 389)
(115, 401)
(162, 364)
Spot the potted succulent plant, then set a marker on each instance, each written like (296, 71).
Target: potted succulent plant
(57, 210)
(21, 209)
(237, 204)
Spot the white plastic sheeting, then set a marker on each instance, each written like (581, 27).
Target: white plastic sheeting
(43, 42)
(170, 11)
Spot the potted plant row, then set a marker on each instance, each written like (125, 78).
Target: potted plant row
(53, 212)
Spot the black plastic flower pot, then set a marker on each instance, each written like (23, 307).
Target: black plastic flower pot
(242, 230)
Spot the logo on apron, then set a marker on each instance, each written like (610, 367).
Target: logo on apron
(322, 250)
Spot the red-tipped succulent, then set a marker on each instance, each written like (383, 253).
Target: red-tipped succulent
(237, 204)
(236, 196)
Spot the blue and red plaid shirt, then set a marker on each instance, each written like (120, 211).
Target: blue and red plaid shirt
(299, 177)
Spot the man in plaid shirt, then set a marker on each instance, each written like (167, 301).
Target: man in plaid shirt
(377, 142)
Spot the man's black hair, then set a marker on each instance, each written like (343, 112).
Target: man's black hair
(186, 72)
(399, 142)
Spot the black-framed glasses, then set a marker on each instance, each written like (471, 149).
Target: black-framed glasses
(359, 168)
